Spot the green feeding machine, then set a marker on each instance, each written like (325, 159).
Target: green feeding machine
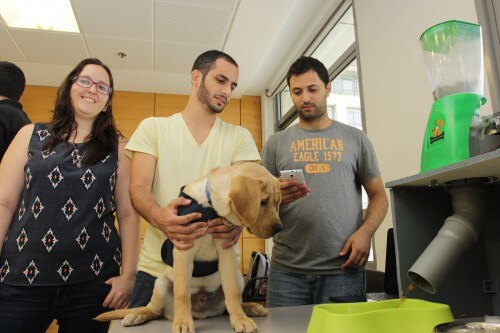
(453, 55)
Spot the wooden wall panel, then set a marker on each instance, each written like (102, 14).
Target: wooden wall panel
(251, 117)
(232, 112)
(166, 105)
(38, 102)
(130, 108)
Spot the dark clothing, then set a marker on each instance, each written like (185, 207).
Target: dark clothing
(143, 290)
(12, 118)
(201, 268)
(63, 231)
(32, 309)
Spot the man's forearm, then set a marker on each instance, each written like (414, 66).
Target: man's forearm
(375, 213)
(144, 203)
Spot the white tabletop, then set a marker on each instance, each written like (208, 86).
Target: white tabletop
(293, 319)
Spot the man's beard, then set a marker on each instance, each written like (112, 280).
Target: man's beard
(204, 98)
(318, 112)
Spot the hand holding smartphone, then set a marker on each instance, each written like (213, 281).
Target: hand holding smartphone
(295, 174)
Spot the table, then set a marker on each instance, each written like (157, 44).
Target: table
(293, 319)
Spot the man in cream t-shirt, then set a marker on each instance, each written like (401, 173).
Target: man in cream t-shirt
(168, 152)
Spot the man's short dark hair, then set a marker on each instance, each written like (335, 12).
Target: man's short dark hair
(12, 81)
(206, 60)
(305, 64)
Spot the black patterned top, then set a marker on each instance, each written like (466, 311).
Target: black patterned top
(63, 231)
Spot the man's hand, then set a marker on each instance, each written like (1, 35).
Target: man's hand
(358, 248)
(218, 229)
(291, 191)
(177, 228)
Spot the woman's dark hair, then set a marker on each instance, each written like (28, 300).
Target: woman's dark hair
(305, 64)
(104, 135)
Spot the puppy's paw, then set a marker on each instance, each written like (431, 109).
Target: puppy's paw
(252, 309)
(138, 316)
(133, 319)
(184, 325)
(243, 324)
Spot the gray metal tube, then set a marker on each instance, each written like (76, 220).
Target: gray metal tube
(457, 235)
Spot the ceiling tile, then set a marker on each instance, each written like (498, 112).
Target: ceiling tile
(209, 3)
(128, 18)
(9, 50)
(192, 24)
(139, 52)
(176, 58)
(50, 47)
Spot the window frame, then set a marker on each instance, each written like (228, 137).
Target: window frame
(283, 120)
(491, 38)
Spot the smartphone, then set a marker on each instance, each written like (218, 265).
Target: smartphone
(296, 174)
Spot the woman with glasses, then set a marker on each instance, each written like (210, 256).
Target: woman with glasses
(61, 184)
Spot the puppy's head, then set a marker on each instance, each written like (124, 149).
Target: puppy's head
(253, 199)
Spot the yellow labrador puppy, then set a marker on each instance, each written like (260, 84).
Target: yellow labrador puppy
(244, 194)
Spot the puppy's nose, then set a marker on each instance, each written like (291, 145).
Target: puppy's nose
(277, 228)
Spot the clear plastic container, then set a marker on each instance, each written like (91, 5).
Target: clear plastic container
(453, 55)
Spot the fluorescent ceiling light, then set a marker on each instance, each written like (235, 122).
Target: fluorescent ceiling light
(56, 15)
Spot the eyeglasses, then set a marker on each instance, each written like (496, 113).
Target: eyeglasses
(86, 82)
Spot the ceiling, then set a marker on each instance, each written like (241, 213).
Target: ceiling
(161, 39)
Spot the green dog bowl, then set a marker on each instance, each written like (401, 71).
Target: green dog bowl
(389, 316)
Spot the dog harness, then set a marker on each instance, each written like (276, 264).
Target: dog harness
(201, 268)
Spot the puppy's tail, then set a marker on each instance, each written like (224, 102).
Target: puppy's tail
(116, 314)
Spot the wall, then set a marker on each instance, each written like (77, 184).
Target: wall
(129, 108)
(397, 97)
(396, 94)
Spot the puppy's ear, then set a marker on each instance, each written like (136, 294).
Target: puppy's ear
(244, 197)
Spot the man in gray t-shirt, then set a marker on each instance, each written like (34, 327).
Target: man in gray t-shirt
(325, 241)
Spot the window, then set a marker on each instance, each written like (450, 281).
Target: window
(345, 98)
(338, 40)
(488, 13)
(336, 48)
(286, 103)
(354, 117)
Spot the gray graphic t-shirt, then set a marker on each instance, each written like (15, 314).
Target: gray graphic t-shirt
(336, 161)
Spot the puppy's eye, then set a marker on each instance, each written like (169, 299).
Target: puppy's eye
(264, 202)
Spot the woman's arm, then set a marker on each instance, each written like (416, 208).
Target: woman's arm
(129, 225)
(12, 178)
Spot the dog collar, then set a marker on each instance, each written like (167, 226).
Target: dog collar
(207, 193)
(207, 213)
